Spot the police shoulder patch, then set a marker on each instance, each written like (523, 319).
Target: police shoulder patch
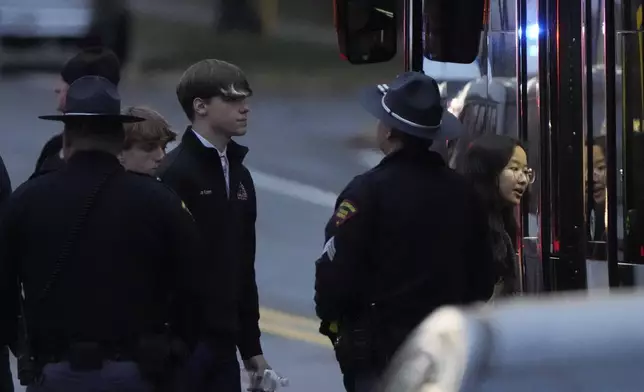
(345, 210)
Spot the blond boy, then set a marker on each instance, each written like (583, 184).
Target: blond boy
(145, 142)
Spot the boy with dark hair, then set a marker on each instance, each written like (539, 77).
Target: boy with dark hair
(208, 173)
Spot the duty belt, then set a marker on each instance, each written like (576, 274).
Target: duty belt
(87, 355)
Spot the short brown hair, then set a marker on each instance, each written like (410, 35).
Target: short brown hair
(208, 79)
(155, 130)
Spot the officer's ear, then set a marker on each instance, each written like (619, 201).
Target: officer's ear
(383, 131)
(394, 135)
(200, 106)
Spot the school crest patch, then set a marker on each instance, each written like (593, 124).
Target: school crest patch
(241, 192)
(345, 210)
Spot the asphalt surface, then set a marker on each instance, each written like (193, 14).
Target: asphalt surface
(300, 159)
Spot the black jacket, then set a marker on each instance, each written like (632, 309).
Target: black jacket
(49, 159)
(136, 252)
(5, 184)
(228, 226)
(407, 237)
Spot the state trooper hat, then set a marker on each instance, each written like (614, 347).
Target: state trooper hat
(93, 97)
(411, 103)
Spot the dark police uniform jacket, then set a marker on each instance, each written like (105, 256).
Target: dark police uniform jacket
(407, 237)
(136, 252)
(227, 224)
(49, 159)
(5, 184)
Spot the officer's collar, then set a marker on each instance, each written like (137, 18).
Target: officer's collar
(93, 155)
(423, 157)
(93, 158)
(234, 150)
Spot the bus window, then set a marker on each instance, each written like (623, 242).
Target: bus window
(452, 29)
(367, 30)
(479, 116)
(496, 53)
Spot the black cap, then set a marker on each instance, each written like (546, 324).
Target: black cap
(96, 61)
(93, 97)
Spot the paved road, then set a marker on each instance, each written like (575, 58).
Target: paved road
(300, 159)
(293, 30)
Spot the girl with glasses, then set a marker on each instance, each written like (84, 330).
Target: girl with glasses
(497, 166)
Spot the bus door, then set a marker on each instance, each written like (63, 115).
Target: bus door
(624, 177)
(558, 121)
(589, 138)
(613, 111)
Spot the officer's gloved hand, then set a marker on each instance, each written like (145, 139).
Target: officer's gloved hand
(330, 330)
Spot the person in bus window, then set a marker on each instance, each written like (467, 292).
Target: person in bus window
(596, 218)
(599, 170)
(145, 142)
(497, 166)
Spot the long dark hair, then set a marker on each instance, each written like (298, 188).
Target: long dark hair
(482, 163)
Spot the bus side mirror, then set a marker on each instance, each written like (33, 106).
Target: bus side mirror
(366, 29)
(453, 29)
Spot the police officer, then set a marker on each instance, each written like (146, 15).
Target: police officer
(96, 61)
(406, 237)
(5, 184)
(100, 253)
(6, 380)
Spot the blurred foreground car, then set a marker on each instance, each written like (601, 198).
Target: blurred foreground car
(30, 23)
(563, 342)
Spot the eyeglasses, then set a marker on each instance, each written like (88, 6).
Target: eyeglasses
(526, 171)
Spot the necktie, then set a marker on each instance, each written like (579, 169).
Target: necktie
(224, 166)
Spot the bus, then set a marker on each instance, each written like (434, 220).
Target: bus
(567, 79)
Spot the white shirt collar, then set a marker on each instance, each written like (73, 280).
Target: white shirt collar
(207, 144)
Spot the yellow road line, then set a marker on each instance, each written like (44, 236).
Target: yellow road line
(272, 314)
(292, 327)
(293, 334)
